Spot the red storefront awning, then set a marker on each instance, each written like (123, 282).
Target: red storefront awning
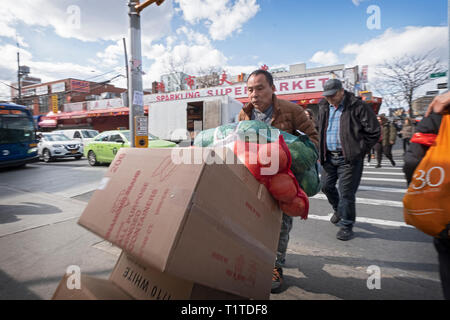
(71, 115)
(47, 123)
(123, 111)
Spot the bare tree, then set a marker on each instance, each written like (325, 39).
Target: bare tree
(176, 71)
(401, 77)
(392, 99)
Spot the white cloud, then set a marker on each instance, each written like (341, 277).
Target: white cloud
(222, 18)
(392, 44)
(100, 19)
(111, 55)
(48, 71)
(324, 58)
(196, 10)
(193, 37)
(357, 2)
(411, 41)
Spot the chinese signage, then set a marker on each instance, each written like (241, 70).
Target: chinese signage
(55, 103)
(104, 104)
(79, 86)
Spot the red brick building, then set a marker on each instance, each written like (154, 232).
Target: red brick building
(39, 96)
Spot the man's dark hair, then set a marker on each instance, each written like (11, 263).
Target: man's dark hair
(267, 74)
(311, 113)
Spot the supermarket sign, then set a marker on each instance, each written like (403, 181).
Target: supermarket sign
(239, 90)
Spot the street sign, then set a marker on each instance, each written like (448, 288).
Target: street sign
(432, 93)
(438, 75)
(442, 86)
(55, 103)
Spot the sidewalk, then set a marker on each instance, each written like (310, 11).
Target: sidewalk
(39, 239)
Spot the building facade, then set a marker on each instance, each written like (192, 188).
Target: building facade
(297, 84)
(39, 96)
(175, 81)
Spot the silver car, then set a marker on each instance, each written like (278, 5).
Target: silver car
(57, 145)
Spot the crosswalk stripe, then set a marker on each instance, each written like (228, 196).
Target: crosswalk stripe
(383, 168)
(382, 189)
(364, 220)
(376, 202)
(383, 179)
(388, 173)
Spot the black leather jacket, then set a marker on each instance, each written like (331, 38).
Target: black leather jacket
(359, 128)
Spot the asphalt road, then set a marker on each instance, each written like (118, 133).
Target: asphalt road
(39, 239)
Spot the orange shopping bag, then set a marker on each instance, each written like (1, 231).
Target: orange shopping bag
(427, 201)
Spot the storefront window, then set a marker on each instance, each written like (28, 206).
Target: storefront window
(43, 104)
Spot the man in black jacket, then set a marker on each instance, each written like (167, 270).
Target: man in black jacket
(348, 129)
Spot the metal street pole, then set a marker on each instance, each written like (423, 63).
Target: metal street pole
(126, 103)
(135, 92)
(138, 122)
(19, 86)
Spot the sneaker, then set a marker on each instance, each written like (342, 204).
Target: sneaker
(335, 218)
(345, 233)
(378, 166)
(277, 279)
(393, 163)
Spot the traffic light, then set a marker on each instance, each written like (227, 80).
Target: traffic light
(141, 6)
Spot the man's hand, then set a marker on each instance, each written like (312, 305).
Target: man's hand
(440, 104)
(391, 142)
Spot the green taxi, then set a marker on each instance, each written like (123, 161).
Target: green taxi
(104, 147)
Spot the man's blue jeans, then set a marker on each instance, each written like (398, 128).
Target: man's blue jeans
(342, 198)
(286, 226)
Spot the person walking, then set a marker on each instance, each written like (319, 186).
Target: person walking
(284, 115)
(388, 136)
(310, 114)
(407, 133)
(415, 153)
(413, 156)
(348, 129)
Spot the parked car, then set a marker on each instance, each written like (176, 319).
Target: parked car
(57, 145)
(83, 135)
(104, 147)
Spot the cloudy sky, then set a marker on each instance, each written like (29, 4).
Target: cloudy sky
(83, 38)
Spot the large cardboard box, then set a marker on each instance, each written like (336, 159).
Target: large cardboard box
(90, 289)
(209, 223)
(146, 283)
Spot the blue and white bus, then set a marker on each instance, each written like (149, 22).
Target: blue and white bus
(18, 143)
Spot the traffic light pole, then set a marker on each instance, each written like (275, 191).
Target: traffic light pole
(135, 91)
(137, 121)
